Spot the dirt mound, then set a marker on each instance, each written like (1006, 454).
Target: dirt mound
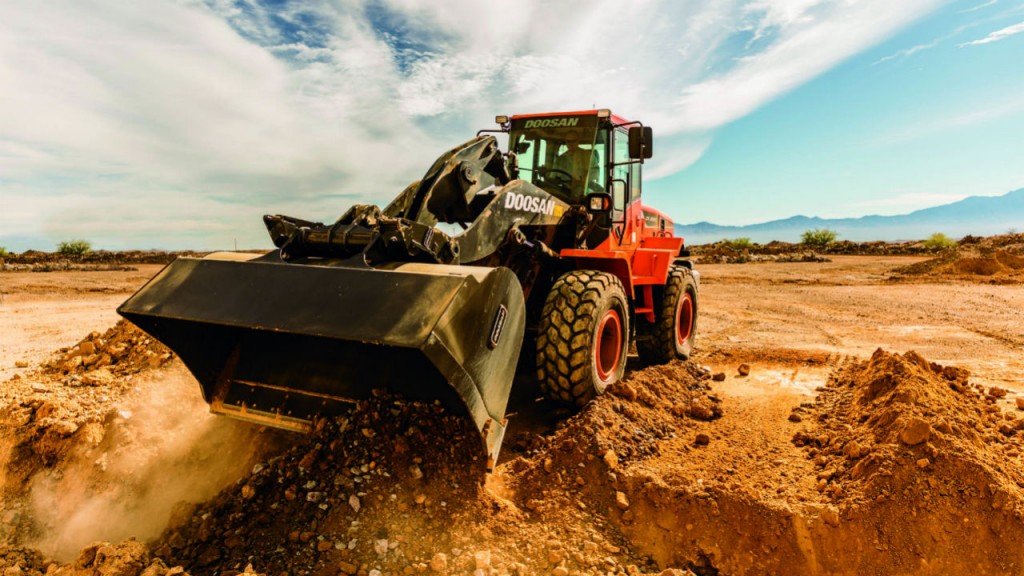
(913, 452)
(360, 494)
(128, 558)
(363, 488)
(997, 259)
(121, 350)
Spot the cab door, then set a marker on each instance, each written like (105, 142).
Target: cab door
(625, 187)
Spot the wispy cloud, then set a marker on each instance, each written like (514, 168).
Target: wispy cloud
(984, 113)
(907, 52)
(979, 6)
(1001, 34)
(812, 46)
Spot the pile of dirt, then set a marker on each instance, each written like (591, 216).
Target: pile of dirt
(128, 558)
(121, 350)
(998, 259)
(913, 455)
(73, 394)
(359, 494)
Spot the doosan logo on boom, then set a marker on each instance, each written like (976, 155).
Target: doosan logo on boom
(527, 203)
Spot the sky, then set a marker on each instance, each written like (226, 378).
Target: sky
(178, 124)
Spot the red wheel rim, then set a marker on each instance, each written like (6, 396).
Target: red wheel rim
(609, 345)
(684, 319)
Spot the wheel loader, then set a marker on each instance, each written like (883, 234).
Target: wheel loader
(544, 251)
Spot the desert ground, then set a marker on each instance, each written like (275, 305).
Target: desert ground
(838, 417)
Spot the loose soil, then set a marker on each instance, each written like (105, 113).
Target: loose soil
(829, 456)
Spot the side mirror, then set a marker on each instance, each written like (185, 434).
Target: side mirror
(522, 147)
(641, 142)
(599, 203)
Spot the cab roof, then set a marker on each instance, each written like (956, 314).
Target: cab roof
(615, 119)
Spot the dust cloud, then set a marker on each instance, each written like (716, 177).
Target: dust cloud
(124, 478)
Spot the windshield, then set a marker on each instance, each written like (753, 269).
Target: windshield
(562, 155)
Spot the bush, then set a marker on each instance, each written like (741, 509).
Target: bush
(819, 237)
(74, 248)
(3, 252)
(939, 241)
(738, 243)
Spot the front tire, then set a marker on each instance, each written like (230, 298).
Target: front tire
(583, 336)
(675, 320)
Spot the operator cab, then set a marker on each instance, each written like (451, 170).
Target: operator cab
(564, 155)
(573, 155)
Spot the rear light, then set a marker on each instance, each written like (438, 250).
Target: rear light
(501, 120)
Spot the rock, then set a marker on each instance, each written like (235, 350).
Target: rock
(621, 501)
(248, 491)
(744, 369)
(718, 377)
(380, 546)
(21, 364)
(560, 571)
(548, 464)
(794, 417)
(87, 348)
(830, 514)
(99, 377)
(915, 431)
(923, 463)
(72, 364)
(347, 568)
(611, 459)
(420, 498)
(702, 439)
(64, 428)
(482, 559)
(353, 501)
(853, 449)
(439, 563)
(39, 388)
(415, 472)
(1020, 403)
(555, 555)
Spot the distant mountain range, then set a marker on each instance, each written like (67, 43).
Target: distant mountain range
(975, 215)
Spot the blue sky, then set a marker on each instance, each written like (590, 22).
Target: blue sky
(177, 124)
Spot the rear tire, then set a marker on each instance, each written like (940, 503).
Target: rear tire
(582, 337)
(675, 320)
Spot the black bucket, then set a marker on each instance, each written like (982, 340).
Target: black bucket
(279, 343)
